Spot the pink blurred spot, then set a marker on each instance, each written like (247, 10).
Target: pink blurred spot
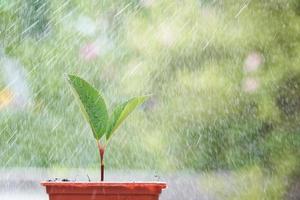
(250, 85)
(90, 51)
(252, 62)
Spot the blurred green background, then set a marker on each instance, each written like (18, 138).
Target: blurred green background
(225, 79)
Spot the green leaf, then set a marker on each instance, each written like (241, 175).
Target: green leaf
(121, 112)
(91, 104)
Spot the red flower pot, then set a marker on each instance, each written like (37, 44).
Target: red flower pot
(103, 190)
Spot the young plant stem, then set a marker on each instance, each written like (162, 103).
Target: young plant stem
(101, 153)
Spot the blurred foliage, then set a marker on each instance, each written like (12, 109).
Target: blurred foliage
(247, 183)
(224, 77)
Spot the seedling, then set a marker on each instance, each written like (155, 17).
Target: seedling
(95, 112)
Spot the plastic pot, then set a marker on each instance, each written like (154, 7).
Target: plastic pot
(104, 190)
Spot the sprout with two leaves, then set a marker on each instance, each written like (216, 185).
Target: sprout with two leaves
(95, 112)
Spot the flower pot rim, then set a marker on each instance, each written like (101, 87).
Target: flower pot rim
(104, 190)
(161, 185)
